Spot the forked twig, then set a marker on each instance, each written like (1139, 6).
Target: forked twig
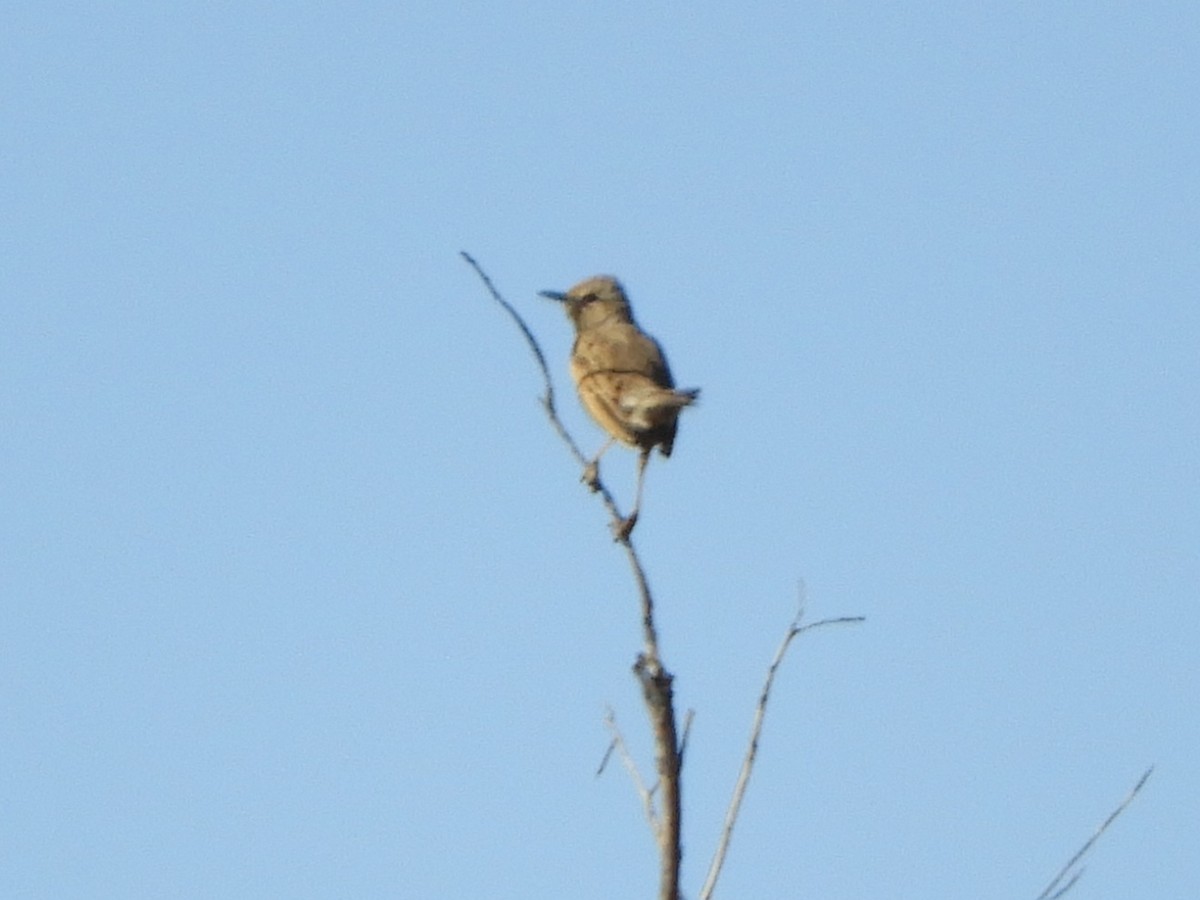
(646, 794)
(1053, 891)
(760, 710)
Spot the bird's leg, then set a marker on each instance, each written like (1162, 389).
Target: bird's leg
(591, 472)
(626, 527)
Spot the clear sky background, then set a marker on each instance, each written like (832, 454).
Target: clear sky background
(301, 597)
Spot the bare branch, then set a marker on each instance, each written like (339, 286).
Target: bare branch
(1053, 891)
(743, 779)
(659, 696)
(656, 681)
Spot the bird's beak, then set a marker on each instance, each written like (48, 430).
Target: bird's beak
(553, 295)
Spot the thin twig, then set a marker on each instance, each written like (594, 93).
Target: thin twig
(608, 752)
(743, 779)
(687, 731)
(548, 397)
(646, 794)
(1053, 891)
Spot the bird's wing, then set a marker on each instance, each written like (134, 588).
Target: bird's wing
(637, 353)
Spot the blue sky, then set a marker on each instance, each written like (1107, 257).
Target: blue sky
(300, 595)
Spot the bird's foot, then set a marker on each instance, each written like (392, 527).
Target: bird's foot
(622, 528)
(591, 476)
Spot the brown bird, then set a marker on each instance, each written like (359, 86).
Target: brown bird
(622, 377)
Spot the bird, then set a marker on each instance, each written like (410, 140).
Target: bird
(622, 378)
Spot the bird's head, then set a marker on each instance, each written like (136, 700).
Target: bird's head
(594, 301)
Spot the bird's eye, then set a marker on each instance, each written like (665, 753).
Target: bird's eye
(588, 298)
